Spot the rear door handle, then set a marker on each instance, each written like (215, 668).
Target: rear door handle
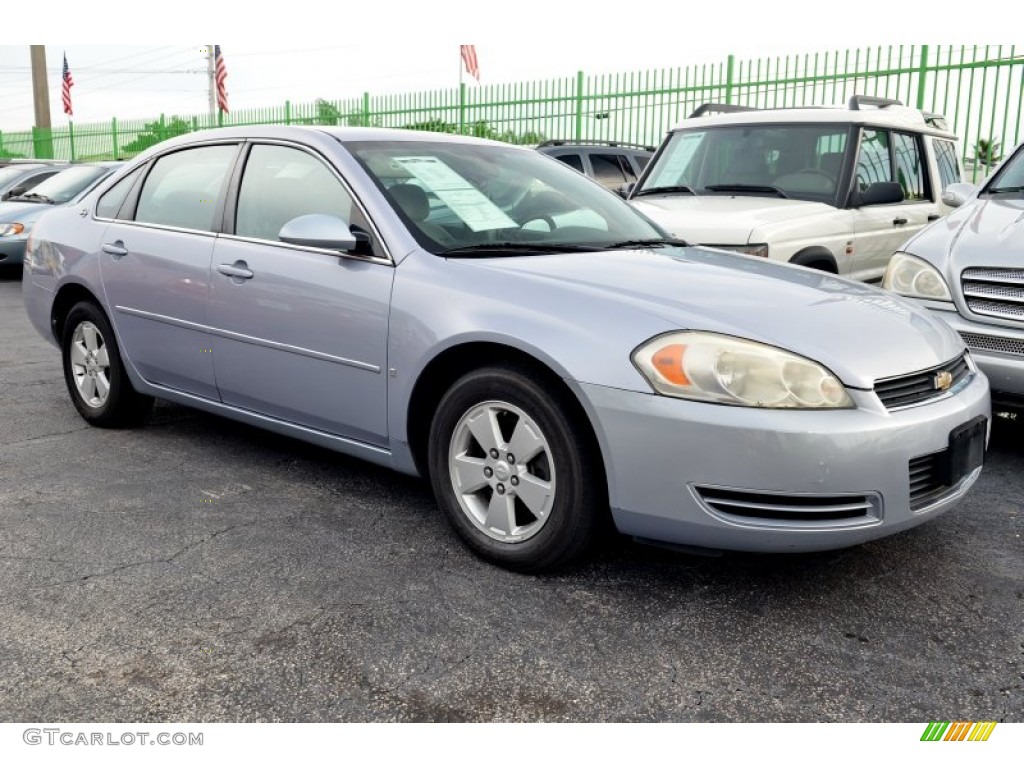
(934, 217)
(238, 269)
(115, 249)
(899, 222)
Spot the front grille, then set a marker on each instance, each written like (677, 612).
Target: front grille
(922, 386)
(925, 483)
(993, 343)
(994, 292)
(764, 507)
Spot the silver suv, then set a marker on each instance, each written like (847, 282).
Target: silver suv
(831, 188)
(968, 270)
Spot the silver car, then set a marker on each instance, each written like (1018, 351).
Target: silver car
(969, 270)
(484, 316)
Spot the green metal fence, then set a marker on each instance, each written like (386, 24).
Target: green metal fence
(979, 89)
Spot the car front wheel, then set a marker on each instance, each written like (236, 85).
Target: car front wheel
(513, 471)
(94, 373)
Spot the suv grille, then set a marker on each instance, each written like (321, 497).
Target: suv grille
(994, 292)
(993, 343)
(920, 387)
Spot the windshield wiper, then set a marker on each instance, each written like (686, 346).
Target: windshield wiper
(997, 190)
(658, 190)
(489, 249)
(652, 242)
(29, 197)
(746, 188)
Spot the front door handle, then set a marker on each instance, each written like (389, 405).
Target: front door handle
(934, 217)
(115, 249)
(238, 269)
(899, 222)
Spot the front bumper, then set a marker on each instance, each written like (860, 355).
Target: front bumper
(12, 250)
(666, 457)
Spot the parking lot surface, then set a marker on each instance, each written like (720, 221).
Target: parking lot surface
(199, 570)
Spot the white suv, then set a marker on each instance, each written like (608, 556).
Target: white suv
(830, 188)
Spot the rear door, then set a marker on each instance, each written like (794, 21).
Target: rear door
(156, 264)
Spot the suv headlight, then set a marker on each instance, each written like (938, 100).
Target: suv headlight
(910, 276)
(696, 365)
(751, 249)
(12, 229)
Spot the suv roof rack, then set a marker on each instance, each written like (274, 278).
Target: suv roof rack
(595, 143)
(873, 101)
(705, 109)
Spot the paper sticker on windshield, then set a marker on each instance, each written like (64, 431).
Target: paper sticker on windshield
(466, 201)
(672, 168)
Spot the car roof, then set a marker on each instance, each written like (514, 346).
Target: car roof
(890, 116)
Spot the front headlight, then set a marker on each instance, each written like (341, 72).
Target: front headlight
(755, 249)
(12, 229)
(910, 276)
(696, 365)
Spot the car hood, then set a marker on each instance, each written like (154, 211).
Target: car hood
(16, 211)
(859, 332)
(722, 219)
(987, 232)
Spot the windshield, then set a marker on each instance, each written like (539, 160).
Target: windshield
(14, 172)
(791, 161)
(1010, 178)
(457, 197)
(68, 183)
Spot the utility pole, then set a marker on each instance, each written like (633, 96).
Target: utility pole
(211, 76)
(43, 138)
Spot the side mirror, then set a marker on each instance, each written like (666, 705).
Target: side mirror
(318, 230)
(625, 190)
(956, 195)
(881, 193)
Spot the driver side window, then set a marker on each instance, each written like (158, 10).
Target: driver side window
(873, 163)
(282, 183)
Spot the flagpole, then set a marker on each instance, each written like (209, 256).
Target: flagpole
(462, 96)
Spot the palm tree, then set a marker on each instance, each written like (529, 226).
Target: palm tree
(986, 152)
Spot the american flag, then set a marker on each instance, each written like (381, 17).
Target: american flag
(221, 75)
(65, 90)
(469, 60)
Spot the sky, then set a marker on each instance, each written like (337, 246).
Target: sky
(302, 51)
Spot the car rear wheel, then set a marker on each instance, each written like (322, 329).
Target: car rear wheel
(95, 376)
(513, 472)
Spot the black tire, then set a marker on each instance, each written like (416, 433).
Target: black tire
(569, 465)
(121, 406)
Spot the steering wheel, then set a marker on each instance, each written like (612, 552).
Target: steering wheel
(539, 217)
(818, 172)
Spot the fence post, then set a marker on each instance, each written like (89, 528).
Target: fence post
(729, 62)
(71, 139)
(2, 154)
(288, 113)
(922, 74)
(366, 108)
(42, 143)
(113, 138)
(462, 108)
(579, 105)
(161, 131)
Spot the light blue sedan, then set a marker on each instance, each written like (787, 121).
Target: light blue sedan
(481, 315)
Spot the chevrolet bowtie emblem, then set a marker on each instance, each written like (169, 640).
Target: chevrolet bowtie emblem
(943, 380)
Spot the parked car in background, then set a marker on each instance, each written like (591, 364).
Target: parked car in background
(65, 187)
(610, 163)
(834, 189)
(16, 179)
(968, 269)
(544, 354)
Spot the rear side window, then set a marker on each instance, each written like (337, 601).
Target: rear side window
(908, 166)
(949, 164)
(114, 198)
(610, 169)
(184, 188)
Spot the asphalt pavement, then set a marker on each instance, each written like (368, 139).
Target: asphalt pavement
(197, 570)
